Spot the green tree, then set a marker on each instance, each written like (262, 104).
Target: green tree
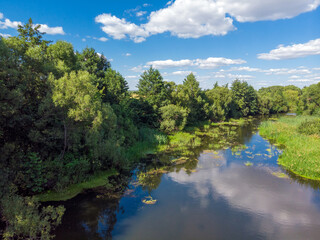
(189, 96)
(173, 118)
(151, 87)
(245, 99)
(92, 62)
(220, 100)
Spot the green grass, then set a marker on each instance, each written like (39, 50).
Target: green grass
(301, 152)
(73, 190)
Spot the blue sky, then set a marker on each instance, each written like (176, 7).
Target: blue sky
(274, 42)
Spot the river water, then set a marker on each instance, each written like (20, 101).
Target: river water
(224, 194)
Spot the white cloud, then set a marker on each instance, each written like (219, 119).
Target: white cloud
(146, 5)
(120, 28)
(138, 69)
(293, 51)
(84, 40)
(284, 71)
(9, 24)
(181, 19)
(141, 13)
(183, 73)
(208, 63)
(44, 28)
(247, 69)
(232, 76)
(4, 35)
(253, 10)
(193, 19)
(128, 54)
(170, 63)
(103, 39)
(217, 62)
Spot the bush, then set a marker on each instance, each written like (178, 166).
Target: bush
(173, 118)
(310, 127)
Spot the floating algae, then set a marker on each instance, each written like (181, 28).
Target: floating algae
(248, 164)
(280, 175)
(149, 200)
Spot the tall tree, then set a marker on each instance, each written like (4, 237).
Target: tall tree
(151, 87)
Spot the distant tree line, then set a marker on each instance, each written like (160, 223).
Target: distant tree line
(67, 114)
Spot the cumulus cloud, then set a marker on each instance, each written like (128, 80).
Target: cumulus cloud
(208, 63)
(181, 19)
(128, 54)
(7, 23)
(212, 17)
(120, 28)
(293, 51)
(44, 28)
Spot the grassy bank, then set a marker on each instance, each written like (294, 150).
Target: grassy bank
(73, 190)
(301, 151)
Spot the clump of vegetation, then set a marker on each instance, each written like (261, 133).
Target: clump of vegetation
(149, 200)
(301, 153)
(310, 126)
(98, 180)
(280, 175)
(248, 164)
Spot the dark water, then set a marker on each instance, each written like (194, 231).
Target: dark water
(218, 198)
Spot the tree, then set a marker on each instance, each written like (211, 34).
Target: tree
(92, 62)
(220, 100)
(151, 87)
(63, 57)
(189, 96)
(310, 100)
(244, 98)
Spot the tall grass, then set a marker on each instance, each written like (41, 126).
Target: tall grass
(149, 139)
(301, 151)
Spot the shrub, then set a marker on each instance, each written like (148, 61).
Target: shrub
(310, 127)
(24, 220)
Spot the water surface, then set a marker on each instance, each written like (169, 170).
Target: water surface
(217, 197)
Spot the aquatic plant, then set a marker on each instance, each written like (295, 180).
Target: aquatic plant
(248, 164)
(149, 200)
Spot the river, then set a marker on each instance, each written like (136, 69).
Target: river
(226, 193)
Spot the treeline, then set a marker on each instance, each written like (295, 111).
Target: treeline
(175, 106)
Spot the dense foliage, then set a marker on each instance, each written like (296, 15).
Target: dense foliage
(68, 115)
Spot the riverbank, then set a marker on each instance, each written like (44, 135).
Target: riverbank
(97, 180)
(301, 151)
(152, 142)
